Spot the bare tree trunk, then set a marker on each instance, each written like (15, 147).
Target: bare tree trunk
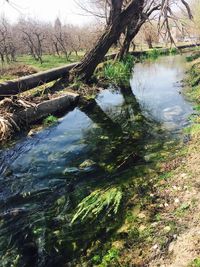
(149, 43)
(133, 29)
(2, 57)
(86, 68)
(125, 47)
(131, 32)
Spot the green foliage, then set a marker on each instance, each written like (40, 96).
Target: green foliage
(192, 57)
(182, 209)
(77, 84)
(50, 120)
(49, 61)
(173, 51)
(111, 257)
(96, 259)
(100, 200)
(193, 130)
(197, 108)
(118, 72)
(134, 234)
(154, 53)
(193, 93)
(194, 75)
(195, 263)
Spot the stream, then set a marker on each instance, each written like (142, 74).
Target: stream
(44, 177)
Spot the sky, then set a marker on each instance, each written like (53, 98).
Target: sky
(46, 10)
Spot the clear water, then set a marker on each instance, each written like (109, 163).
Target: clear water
(157, 86)
(41, 178)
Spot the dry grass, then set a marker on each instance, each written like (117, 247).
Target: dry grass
(7, 127)
(9, 123)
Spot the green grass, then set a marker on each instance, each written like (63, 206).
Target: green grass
(155, 53)
(49, 61)
(118, 72)
(195, 263)
(193, 92)
(50, 120)
(7, 77)
(193, 57)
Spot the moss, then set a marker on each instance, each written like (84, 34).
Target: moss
(50, 120)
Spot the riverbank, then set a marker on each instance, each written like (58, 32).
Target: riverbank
(161, 222)
(107, 181)
(183, 190)
(117, 73)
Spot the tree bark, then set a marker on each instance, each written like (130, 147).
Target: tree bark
(86, 68)
(149, 43)
(132, 31)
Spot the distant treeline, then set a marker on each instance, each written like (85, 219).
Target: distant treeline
(37, 38)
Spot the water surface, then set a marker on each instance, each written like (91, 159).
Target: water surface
(44, 177)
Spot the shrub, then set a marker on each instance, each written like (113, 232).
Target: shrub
(154, 53)
(119, 72)
(50, 120)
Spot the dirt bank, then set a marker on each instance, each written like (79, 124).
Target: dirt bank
(183, 205)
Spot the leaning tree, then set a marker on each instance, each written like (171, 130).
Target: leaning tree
(126, 16)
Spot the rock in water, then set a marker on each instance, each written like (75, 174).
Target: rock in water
(87, 165)
(170, 113)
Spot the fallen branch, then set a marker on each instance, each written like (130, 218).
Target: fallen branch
(18, 114)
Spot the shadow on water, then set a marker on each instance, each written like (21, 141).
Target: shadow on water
(43, 178)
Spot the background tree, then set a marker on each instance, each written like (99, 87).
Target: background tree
(7, 44)
(150, 34)
(126, 16)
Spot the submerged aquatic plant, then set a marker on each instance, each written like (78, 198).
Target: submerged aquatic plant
(100, 200)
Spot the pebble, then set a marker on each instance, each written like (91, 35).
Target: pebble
(141, 216)
(167, 229)
(177, 201)
(183, 175)
(155, 247)
(142, 228)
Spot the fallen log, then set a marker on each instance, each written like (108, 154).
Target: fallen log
(11, 123)
(25, 83)
(50, 107)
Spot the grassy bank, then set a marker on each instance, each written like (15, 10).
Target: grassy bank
(143, 215)
(49, 61)
(160, 218)
(28, 65)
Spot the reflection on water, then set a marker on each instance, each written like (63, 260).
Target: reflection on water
(44, 177)
(157, 87)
